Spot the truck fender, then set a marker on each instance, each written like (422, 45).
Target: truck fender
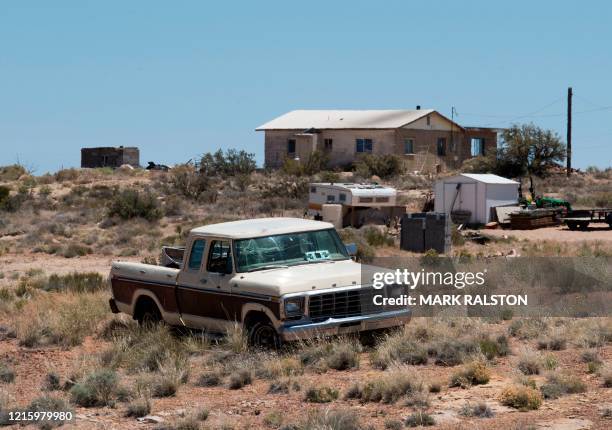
(170, 318)
(258, 307)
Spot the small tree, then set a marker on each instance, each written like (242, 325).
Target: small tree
(528, 149)
(230, 163)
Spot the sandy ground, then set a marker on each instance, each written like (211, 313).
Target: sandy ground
(595, 232)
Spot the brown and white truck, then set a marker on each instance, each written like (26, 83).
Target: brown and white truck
(282, 279)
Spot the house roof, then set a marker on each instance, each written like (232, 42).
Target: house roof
(487, 178)
(358, 189)
(260, 227)
(344, 119)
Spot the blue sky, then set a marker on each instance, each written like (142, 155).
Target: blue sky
(181, 78)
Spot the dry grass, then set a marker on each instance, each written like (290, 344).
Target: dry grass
(395, 383)
(521, 397)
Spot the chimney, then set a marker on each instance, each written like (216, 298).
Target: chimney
(418, 107)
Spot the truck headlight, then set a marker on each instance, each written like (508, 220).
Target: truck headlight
(294, 306)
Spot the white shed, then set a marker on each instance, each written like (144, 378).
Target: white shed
(477, 193)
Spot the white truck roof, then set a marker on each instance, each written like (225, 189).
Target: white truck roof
(259, 227)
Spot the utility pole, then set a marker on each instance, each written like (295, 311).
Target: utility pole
(569, 131)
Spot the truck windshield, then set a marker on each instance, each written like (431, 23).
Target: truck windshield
(288, 250)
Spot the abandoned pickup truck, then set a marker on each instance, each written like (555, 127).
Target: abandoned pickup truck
(283, 279)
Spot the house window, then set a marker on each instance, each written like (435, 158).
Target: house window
(409, 146)
(382, 199)
(363, 145)
(331, 198)
(327, 144)
(342, 197)
(313, 190)
(291, 146)
(478, 146)
(366, 199)
(441, 146)
(428, 120)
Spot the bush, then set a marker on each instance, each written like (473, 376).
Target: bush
(396, 349)
(12, 172)
(78, 282)
(185, 180)
(606, 375)
(240, 378)
(210, 379)
(480, 410)
(343, 356)
(554, 342)
(98, 389)
(521, 397)
(420, 419)
(48, 404)
(389, 388)
(383, 166)
(529, 363)
(332, 420)
(560, 384)
(321, 394)
(7, 375)
(475, 373)
(230, 163)
(138, 409)
(52, 382)
(129, 203)
(494, 348)
(172, 372)
(375, 237)
(273, 419)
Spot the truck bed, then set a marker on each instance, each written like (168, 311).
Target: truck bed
(144, 272)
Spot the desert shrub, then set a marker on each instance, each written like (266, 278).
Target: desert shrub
(321, 394)
(329, 419)
(395, 383)
(475, 373)
(275, 366)
(365, 252)
(230, 163)
(78, 282)
(316, 162)
(340, 354)
(67, 175)
(494, 348)
(550, 362)
(606, 375)
(480, 410)
(527, 328)
(454, 351)
(555, 342)
(12, 172)
(521, 397)
(383, 166)
(560, 384)
(239, 379)
(420, 419)
(48, 404)
(236, 339)
(188, 423)
(393, 425)
(98, 389)
(138, 408)
(187, 181)
(375, 237)
(52, 382)
(172, 372)
(130, 203)
(529, 363)
(396, 349)
(209, 379)
(7, 375)
(273, 419)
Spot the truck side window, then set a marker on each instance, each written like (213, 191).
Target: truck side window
(219, 257)
(195, 256)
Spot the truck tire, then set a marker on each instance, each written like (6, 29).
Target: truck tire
(147, 314)
(262, 334)
(572, 225)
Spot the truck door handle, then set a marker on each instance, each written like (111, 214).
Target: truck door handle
(203, 281)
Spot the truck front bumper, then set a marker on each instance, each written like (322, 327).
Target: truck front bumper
(339, 326)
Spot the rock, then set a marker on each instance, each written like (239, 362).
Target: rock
(154, 419)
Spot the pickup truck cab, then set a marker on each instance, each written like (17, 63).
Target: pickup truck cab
(282, 279)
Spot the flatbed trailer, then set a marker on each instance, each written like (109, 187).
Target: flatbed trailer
(580, 219)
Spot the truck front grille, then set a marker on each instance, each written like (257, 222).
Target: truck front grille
(342, 304)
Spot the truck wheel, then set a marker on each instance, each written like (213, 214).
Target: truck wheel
(148, 315)
(572, 225)
(583, 226)
(263, 334)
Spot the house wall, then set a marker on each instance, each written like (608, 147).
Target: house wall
(109, 157)
(425, 158)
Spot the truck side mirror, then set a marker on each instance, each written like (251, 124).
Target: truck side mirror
(351, 248)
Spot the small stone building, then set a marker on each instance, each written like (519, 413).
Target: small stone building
(427, 141)
(108, 156)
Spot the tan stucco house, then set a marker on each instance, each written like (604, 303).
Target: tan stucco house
(425, 139)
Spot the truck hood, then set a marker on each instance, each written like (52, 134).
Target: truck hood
(302, 278)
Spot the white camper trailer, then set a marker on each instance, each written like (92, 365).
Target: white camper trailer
(359, 203)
